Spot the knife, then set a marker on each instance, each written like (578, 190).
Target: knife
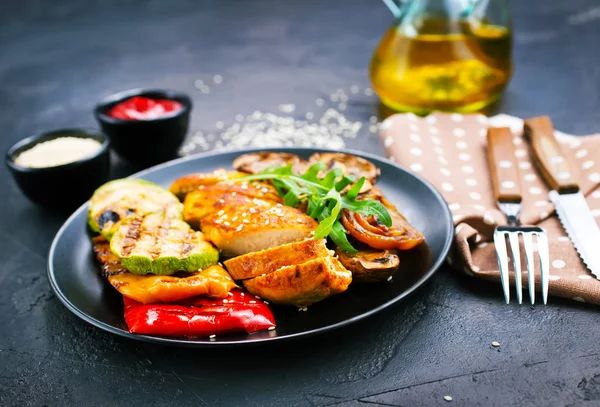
(571, 207)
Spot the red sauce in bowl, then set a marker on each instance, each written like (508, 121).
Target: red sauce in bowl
(142, 108)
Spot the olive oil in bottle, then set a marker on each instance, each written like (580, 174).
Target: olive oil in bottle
(446, 65)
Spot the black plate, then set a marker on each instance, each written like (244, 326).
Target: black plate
(74, 272)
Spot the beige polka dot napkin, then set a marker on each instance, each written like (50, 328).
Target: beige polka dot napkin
(450, 151)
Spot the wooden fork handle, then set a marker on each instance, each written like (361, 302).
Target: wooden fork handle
(546, 150)
(503, 165)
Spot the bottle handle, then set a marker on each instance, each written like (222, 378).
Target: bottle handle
(396, 6)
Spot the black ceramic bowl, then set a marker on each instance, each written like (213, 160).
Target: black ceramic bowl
(146, 142)
(63, 187)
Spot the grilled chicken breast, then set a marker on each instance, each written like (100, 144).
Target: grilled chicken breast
(207, 200)
(302, 284)
(267, 261)
(244, 229)
(188, 183)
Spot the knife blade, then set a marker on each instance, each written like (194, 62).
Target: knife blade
(570, 204)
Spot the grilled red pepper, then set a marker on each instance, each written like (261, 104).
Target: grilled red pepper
(199, 316)
(142, 108)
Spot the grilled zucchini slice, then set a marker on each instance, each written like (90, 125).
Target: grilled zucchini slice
(124, 198)
(159, 245)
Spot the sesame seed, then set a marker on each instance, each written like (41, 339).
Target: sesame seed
(252, 302)
(299, 220)
(226, 224)
(234, 218)
(496, 344)
(221, 212)
(218, 221)
(212, 336)
(246, 221)
(224, 301)
(271, 328)
(244, 214)
(256, 296)
(266, 302)
(221, 201)
(234, 193)
(389, 278)
(252, 210)
(262, 275)
(231, 294)
(239, 228)
(242, 294)
(267, 221)
(448, 398)
(279, 205)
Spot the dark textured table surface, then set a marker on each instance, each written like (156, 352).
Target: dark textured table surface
(58, 58)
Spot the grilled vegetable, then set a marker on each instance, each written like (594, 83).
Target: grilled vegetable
(267, 261)
(399, 235)
(254, 163)
(213, 281)
(302, 284)
(159, 245)
(207, 200)
(349, 164)
(188, 183)
(244, 229)
(199, 316)
(369, 265)
(125, 198)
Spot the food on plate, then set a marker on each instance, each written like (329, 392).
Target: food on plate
(292, 232)
(207, 200)
(213, 281)
(200, 316)
(369, 265)
(143, 108)
(399, 235)
(58, 151)
(349, 164)
(302, 284)
(267, 261)
(188, 183)
(248, 228)
(254, 163)
(157, 244)
(124, 198)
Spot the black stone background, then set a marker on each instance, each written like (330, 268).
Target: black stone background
(58, 58)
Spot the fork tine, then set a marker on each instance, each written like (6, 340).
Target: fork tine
(542, 242)
(528, 243)
(513, 238)
(500, 243)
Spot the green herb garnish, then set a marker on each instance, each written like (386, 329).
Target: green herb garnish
(324, 198)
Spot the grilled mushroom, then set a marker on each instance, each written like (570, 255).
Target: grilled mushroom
(349, 164)
(369, 265)
(254, 163)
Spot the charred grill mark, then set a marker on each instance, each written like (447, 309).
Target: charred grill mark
(106, 217)
(186, 248)
(111, 265)
(132, 236)
(159, 237)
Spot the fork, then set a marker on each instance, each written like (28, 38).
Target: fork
(505, 180)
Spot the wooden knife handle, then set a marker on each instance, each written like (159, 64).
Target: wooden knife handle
(503, 165)
(551, 162)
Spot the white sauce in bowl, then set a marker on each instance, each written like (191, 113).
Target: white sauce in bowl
(62, 150)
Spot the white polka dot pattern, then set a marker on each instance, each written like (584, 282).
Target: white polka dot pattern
(451, 151)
